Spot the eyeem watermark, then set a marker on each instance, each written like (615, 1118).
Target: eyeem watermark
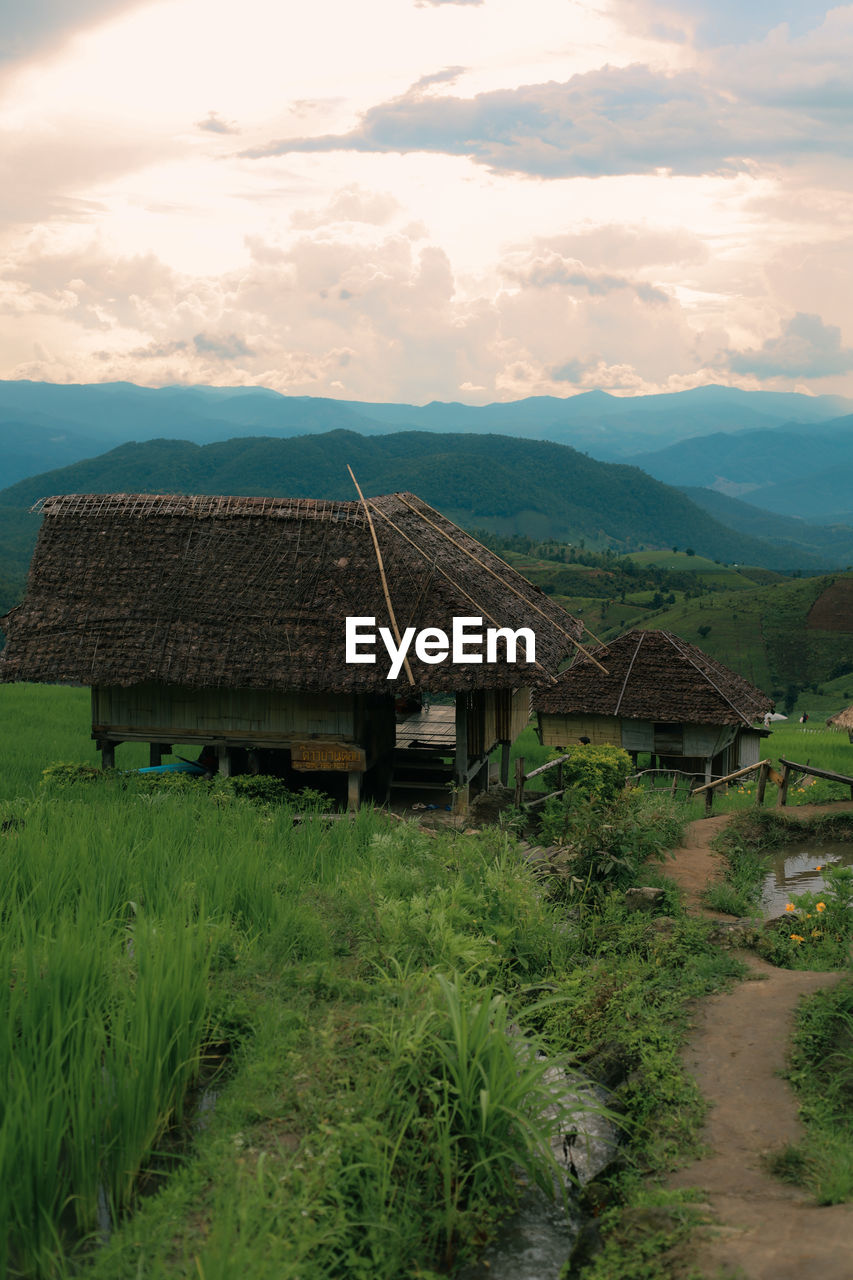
(464, 644)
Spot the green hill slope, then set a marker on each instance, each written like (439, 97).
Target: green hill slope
(785, 637)
(495, 482)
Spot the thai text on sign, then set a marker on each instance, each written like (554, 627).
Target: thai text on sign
(322, 756)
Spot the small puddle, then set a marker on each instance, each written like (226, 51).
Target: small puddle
(794, 870)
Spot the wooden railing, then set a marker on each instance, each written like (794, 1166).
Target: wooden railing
(766, 773)
(788, 766)
(521, 778)
(763, 766)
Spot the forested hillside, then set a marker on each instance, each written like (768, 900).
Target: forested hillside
(496, 482)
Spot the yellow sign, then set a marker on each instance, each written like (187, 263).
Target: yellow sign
(340, 756)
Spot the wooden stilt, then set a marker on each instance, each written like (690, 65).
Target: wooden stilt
(108, 754)
(155, 753)
(519, 780)
(353, 790)
(505, 764)
(224, 757)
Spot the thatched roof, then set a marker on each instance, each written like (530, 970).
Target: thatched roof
(253, 593)
(654, 675)
(843, 720)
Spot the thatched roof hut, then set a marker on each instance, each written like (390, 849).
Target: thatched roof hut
(661, 694)
(843, 720)
(253, 593)
(222, 619)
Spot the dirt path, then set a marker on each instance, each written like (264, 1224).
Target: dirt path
(764, 1230)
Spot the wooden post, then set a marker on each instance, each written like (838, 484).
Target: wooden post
(560, 776)
(353, 790)
(460, 760)
(519, 780)
(709, 801)
(762, 783)
(155, 754)
(783, 790)
(483, 776)
(108, 754)
(224, 756)
(505, 746)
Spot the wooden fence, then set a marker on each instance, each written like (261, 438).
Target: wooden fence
(765, 769)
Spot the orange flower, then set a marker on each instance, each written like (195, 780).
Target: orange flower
(820, 906)
(790, 907)
(797, 937)
(818, 868)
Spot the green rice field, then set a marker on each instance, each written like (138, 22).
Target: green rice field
(240, 1039)
(237, 1040)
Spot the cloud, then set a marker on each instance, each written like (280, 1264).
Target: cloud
(781, 102)
(551, 268)
(227, 346)
(42, 174)
(350, 204)
(448, 75)
(806, 347)
(377, 317)
(723, 22)
(213, 123)
(627, 247)
(35, 26)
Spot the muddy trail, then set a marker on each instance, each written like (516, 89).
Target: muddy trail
(759, 1228)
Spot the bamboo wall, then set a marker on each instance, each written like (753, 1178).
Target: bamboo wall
(245, 717)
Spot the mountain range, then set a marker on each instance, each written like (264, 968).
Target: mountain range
(689, 437)
(486, 481)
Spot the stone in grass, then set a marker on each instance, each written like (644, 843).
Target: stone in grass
(644, 899)
(744, 932)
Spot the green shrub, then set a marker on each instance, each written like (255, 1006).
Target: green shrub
(596, 773)
(606, 844)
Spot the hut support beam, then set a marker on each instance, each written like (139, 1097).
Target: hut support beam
(460, 763)
(505, 746)
(108, 753)
(353, 790)
(156, 751)
(224, 756)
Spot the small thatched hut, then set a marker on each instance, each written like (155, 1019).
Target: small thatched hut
(661, 695)
(843, 720)
(221, 621)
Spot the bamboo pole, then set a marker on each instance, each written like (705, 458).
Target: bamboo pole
(506, 585)
(750, 768)
(391, 614)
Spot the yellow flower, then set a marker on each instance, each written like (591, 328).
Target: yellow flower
(797, 937)
(818, 868)
(790, 907)
(815, 933)
(820, 906)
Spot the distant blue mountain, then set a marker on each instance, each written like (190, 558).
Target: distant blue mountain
(47, 425)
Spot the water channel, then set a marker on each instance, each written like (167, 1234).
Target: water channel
(535, 1241)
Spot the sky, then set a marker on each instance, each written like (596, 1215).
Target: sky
(416, 200)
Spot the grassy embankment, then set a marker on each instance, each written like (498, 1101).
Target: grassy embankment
(350, 982)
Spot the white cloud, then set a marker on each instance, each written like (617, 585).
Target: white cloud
(805, 348)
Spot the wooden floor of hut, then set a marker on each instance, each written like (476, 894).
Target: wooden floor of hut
(430, 727)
